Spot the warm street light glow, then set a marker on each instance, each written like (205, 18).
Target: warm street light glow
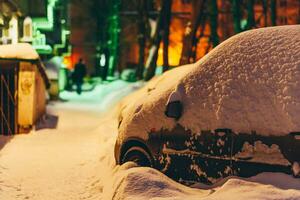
(174, 55)
(102, 60)
(67, 61)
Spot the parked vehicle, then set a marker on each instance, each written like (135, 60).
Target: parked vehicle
(234, 112)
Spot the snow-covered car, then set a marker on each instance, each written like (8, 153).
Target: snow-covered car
(234, 112)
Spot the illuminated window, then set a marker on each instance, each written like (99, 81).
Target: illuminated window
(1, 21)
(39, 39)
(102, 60)
(5, 33)
(1, 25)
(13, 30)
(27, 28)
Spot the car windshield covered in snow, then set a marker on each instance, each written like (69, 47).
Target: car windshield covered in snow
(234, 112)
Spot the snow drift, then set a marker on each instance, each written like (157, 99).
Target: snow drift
(249, 82)
(130, 183)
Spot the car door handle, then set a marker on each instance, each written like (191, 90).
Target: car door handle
(244, 157)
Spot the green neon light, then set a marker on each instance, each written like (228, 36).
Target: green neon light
(114, 30)
(62, 79)
(243, 23)
(63, 40)
(46, 23)
(43, 49)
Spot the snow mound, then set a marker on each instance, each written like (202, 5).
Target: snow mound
(241, 189)
(18, 51)
(130, 182)
(248, 83)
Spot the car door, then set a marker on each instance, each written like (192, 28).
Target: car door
(214, 148)
(204, 157)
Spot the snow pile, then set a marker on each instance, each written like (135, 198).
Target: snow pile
(130, 183)
(18, 51)
(249, 82)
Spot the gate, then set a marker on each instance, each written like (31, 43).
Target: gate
(8, 97)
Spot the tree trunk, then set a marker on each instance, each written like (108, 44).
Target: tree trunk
(113, 36)
(195, 44)
(190, 40)
(225, 20)
(166, 31)
(250, 12)
(142, 20)
(265, 11)
(153, 52)
(213, 15)
(236, 15)
(273, 12)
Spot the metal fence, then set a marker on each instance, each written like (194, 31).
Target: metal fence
(8, 97)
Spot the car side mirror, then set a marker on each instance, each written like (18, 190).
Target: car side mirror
(174, 110)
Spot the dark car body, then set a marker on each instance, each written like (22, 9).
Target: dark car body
(212, 155)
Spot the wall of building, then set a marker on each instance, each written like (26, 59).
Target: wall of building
(43, 23)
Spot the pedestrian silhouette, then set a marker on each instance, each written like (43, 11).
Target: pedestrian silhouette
(78, 75)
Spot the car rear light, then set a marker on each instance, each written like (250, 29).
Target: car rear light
(296, 169)
(296, 135)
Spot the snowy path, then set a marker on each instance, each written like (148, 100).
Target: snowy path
(61, 163)
(75, 161)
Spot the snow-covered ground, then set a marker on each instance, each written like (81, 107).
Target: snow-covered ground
(75, 161)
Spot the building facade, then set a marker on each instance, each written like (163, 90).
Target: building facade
(42, 23)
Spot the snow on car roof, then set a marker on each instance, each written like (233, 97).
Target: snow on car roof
(18, 51)
(250, 82)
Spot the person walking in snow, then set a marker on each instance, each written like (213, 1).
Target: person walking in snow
(78, 75)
